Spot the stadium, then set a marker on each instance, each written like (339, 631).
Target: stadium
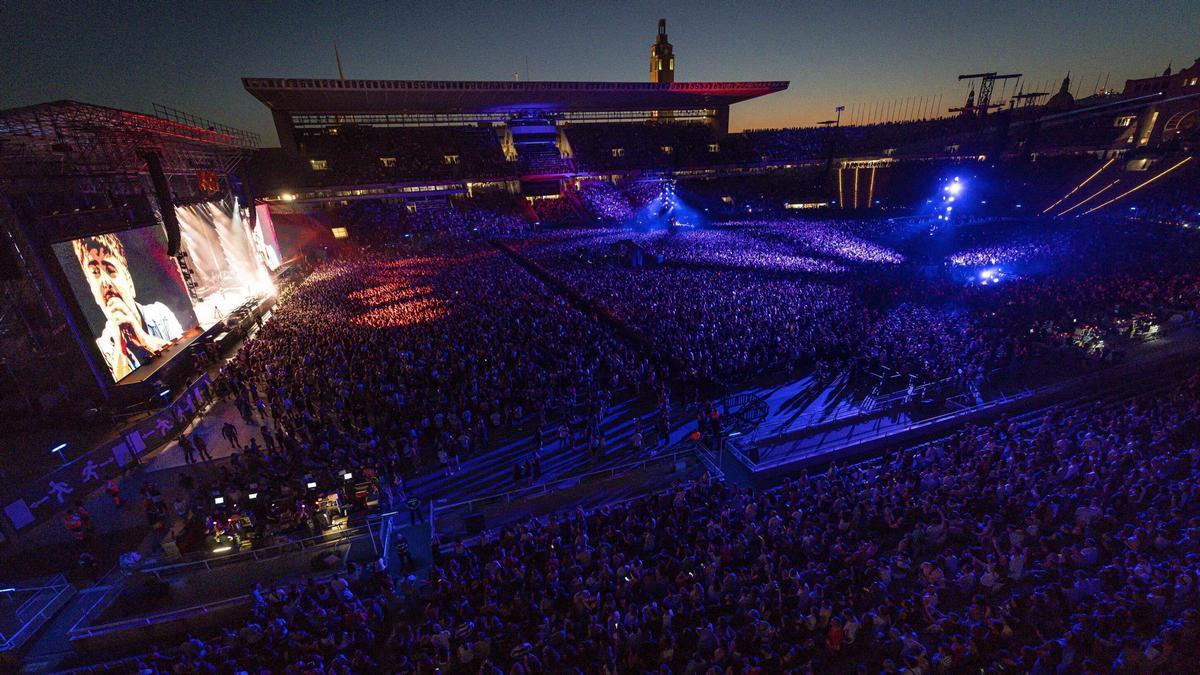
(479, 376)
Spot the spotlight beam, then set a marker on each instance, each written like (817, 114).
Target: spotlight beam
(1093, 196)
(1076, 188)
(1143, 184)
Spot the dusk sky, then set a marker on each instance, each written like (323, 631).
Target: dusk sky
(191, 55)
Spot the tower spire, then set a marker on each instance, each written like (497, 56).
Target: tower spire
(338, 58)
(662, 56)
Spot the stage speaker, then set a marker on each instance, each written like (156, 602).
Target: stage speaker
(474, 523)
(166, 205)
(245, 195)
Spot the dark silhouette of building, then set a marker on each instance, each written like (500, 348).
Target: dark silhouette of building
(1063, 100)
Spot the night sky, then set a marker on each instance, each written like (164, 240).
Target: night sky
(191, 55)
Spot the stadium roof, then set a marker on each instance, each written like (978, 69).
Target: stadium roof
(296, 95)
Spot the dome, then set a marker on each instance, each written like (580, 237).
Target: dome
(1063, 100)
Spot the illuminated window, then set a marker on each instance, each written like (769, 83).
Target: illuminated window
(388, 161)
(713, 147)
(319, 164)
(666, 149)
(618, 152)
(450, 159)
(672, 63)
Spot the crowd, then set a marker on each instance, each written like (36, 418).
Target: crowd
(1062, 544)
(371, 154)
(795, 144)
(646, 145)
(606, 203)
(381, 221)
(407, 360)
(732, 301)
(1044, 248)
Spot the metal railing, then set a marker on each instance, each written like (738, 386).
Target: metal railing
(1104, 378)
(860, 433)
(606, 505)
(326, 540)
(550, 487)
(560, 483)
(35, 611)
(83, 632)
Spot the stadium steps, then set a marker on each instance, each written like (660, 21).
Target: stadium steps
(1122, 382)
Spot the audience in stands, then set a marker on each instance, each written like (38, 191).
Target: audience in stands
(1061, 544)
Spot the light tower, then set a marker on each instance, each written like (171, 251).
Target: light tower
(662, 56)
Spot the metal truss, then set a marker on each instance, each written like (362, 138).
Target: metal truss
(72, 140)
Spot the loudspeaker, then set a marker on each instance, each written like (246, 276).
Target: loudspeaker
(245, 195)
(166, 205)
(474, 523)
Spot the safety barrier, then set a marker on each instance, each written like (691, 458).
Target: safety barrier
(326, 540)
(35, 611)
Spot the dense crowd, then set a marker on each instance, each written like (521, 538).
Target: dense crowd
(410, 360)
(379, 221)
(1065, 544)
(730, 302)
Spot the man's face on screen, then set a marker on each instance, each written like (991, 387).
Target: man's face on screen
(112, 286)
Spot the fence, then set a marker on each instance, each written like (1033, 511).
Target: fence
(470, 506)
(1131, 374)
(35, 611)
(327, 540)
(188, 613)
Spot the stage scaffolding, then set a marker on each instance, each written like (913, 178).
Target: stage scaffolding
(95, 148)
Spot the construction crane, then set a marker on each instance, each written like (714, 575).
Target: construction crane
(987, 82)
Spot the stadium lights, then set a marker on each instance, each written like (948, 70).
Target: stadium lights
(348, 476)
(1143, 184)
(1093, 196)
(219, 501)
(253, 495)
(1085, 182)
(312, 484)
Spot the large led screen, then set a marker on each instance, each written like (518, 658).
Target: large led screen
(131, 293)
(220, 259)
(264, 237)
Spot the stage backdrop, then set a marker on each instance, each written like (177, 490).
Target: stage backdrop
(221, 258)
(131, 293)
